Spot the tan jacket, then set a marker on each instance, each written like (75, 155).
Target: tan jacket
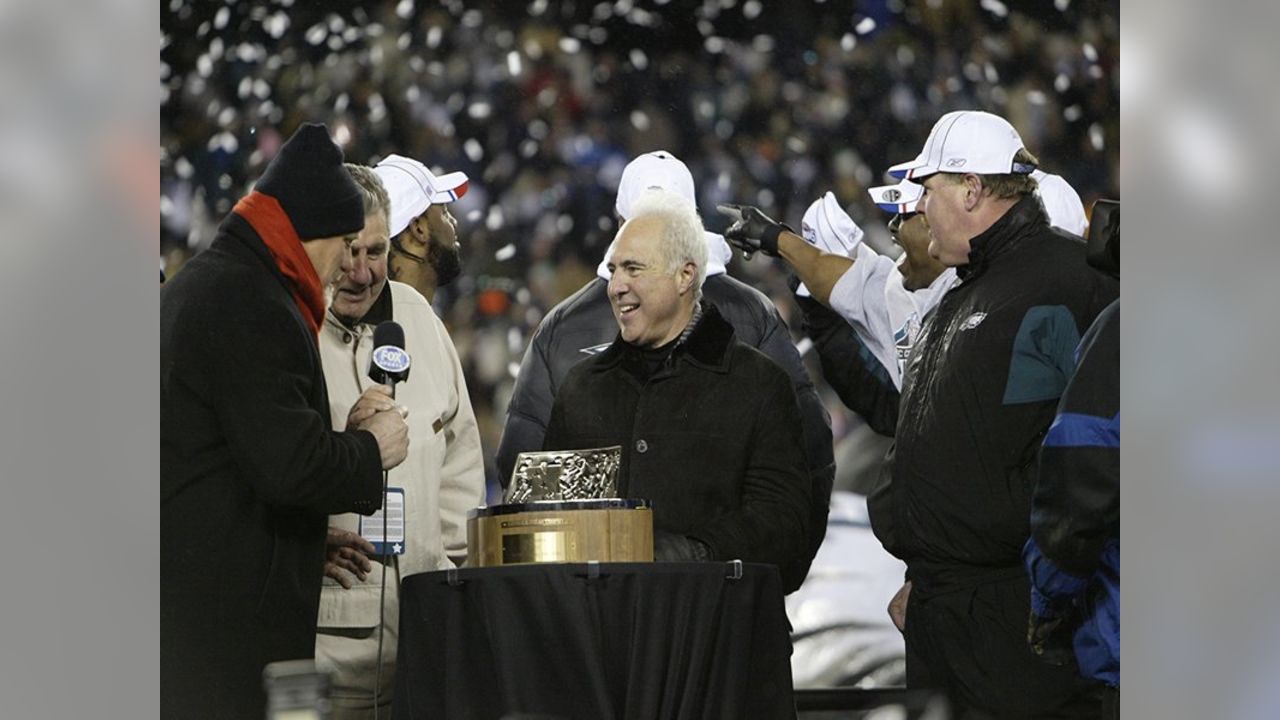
(443, 475)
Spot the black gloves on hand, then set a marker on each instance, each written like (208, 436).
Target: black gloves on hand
(752, 230)
(673, 547)
(1050, 638)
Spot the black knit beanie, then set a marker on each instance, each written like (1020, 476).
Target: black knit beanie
(316, 192)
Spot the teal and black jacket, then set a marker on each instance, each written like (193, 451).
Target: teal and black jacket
(980, 391)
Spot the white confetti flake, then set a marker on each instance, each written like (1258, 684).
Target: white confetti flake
(995, 7)
(503, 254)
(404, 9)
(316, 34)
(514, 65)
(472, 148)
(639, 120)
(638, 59)
(277, 24)
(495, 220)
(1096, 137)
(864, 26)
(848, 42)
(250, 53)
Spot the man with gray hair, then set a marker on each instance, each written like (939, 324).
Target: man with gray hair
(442, 477)
(709, 427)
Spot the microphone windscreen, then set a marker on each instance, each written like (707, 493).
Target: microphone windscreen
(389, 363)
(390, 333)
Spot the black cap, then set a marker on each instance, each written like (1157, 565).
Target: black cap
(316, 192)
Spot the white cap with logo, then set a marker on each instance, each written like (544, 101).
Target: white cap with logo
(1061, 202)
(966, 141)
(829, 228)
(413, 188)
(900, 198)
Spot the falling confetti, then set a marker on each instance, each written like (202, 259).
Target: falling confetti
(995, 7)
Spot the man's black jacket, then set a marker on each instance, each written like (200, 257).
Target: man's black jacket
(721, 463)
(583, 325)
(249, 472)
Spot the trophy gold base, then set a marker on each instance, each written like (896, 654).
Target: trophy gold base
(562, 531)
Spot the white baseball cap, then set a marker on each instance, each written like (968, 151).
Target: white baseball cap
(828, 227)
(658, 169)
(901, 198)
(1061, 203)
(413, 188)
(966, 141)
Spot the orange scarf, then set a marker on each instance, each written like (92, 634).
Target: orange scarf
(269, 220)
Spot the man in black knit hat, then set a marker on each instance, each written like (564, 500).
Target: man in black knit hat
(250, 466)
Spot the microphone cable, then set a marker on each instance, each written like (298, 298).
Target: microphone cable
(382, 593)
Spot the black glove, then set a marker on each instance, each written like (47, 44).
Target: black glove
(673, 547)
(752, 230)
(1051, 638)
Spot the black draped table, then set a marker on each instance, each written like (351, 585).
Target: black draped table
(593, 641)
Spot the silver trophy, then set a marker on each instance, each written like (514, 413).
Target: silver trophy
(565, 475)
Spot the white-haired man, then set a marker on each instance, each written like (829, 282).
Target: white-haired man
(583, 325)
(709, 427)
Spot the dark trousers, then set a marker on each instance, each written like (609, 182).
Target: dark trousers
(971, 644)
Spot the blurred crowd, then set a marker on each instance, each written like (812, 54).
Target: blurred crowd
(543, 103)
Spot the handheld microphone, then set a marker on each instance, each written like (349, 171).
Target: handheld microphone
(389, 363)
